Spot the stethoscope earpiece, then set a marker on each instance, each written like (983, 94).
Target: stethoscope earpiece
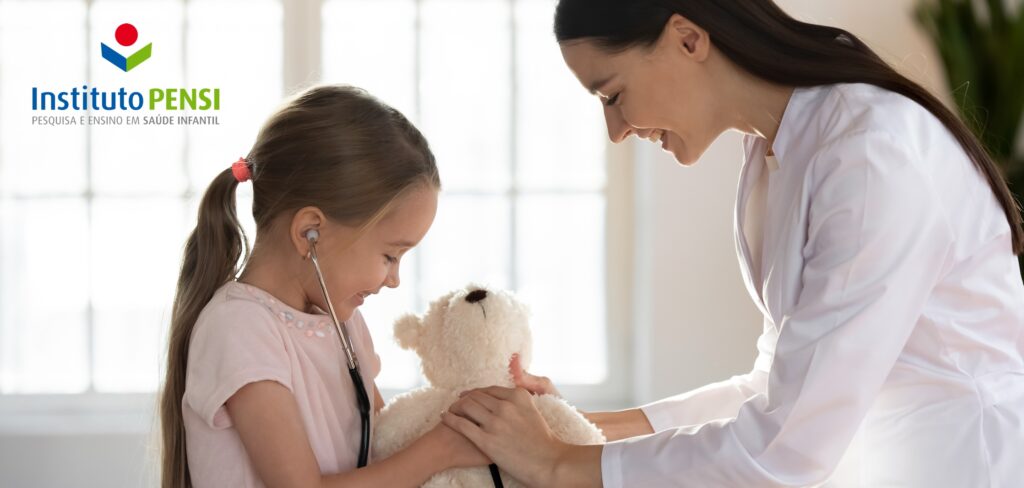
(312, 235)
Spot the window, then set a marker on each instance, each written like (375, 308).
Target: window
(92, 219)
(523, 205)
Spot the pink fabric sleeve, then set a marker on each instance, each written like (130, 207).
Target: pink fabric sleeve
(233, 345)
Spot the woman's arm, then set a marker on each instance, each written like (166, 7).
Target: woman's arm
(621, 424)
(615, 425)
(268, 422)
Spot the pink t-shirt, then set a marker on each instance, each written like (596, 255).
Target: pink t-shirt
(246, 335)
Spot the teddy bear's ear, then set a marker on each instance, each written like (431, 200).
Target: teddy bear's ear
(407, 331)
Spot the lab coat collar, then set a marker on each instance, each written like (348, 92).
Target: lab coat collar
(785, 137)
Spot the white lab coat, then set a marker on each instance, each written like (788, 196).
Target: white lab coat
(893, 317)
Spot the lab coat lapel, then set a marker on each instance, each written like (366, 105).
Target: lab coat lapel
(751, 172)
(786, 207)
(780, 224)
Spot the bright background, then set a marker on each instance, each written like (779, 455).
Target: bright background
(625, 258)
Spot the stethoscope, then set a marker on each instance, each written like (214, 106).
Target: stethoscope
(346, 344)
(353, 364)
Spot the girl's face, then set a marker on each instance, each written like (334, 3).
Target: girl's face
(664, 93)
(355, 270)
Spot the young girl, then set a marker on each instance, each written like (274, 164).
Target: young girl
(257, 391)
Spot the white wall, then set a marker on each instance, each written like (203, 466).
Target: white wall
(694, 322)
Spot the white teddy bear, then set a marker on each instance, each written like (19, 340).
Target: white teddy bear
(465, 341)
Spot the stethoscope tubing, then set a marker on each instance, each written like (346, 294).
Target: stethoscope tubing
(362, 398)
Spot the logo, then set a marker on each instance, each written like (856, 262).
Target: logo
(103, 106)
(126, 35)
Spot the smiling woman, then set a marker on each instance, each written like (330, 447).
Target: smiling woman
(874, 234)
(781, 53)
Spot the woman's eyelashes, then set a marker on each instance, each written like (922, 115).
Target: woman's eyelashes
(390, 259)
(611, 100)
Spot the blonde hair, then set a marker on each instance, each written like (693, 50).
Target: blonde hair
(334, 147)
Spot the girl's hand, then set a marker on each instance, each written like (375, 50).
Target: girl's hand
(538, 385)
(506, 425)
(460, 452)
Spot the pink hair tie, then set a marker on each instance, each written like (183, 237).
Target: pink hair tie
(240, 169)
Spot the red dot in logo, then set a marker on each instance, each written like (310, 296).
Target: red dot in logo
(126, 34)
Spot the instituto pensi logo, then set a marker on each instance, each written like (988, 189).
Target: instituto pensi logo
(120, 105)
(126, 35)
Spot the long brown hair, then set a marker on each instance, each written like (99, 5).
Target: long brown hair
(762, 39)
(333, 147)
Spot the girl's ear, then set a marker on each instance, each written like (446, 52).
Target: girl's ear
(407, 331)
(305, 218)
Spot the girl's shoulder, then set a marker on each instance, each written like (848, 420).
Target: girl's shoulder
(235, 299)
(239, 309)
(236, 340)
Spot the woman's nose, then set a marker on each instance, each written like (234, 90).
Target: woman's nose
(618, 129)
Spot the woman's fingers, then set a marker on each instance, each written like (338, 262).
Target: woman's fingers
(516, 369)
(519, 396)
(489, 402)
(499, 392)
(463, 426)
(538, 385)
(468, 407)
(522, 378)
(494, 409)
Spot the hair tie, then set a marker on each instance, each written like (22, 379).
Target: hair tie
(240, 169)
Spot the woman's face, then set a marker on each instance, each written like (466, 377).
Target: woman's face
(663, 93)
(355, 270)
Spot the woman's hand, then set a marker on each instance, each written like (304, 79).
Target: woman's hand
(506, 425)
(538, 385)
(461, 453)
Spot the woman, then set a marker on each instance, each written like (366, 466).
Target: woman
(874, 233)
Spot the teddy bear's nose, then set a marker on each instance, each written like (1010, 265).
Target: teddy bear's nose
(476, 295)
